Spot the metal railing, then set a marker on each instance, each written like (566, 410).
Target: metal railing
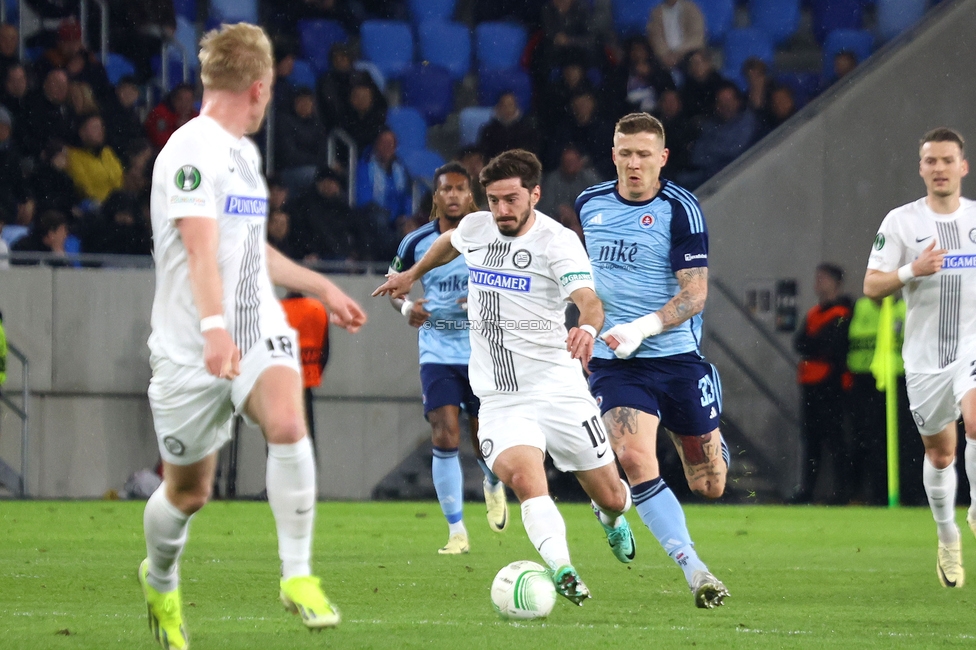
(172, 44)
(83, 22)
(21, 412)
(338, 135)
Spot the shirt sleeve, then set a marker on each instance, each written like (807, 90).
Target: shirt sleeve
(689, 236)
(569, 263)
(888, 249)
(189, 176)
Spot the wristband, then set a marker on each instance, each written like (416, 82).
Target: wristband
(406, 307)
(212, 323)
(649, 325)
(905, 273)
(589, 329)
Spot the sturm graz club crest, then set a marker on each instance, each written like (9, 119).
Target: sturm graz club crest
(486, 447)
(522, 258)
(188, 178)
(174, 446)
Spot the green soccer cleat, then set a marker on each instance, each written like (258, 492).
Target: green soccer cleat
(569, 585)
(303, 595)
(165, 617)
(708, 590)
(620, 537)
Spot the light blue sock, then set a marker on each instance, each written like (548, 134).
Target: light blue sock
(662, 514)
(448, 483)
(489, 475)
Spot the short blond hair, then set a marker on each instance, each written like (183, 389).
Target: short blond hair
(232, 57)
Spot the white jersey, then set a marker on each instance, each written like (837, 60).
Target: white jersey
(517, 293)
(204, 171)
(940, 325)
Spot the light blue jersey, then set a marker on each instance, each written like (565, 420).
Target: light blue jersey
(444, 337)
(635, 249)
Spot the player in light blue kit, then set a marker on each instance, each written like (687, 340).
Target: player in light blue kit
(648, 245)
(441, 316)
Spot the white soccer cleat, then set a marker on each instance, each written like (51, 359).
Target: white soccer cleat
(948, 565)
(497, 506)
(456, 545)
(708, 590)
(972, 523)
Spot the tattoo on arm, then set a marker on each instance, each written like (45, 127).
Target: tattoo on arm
(690, 300)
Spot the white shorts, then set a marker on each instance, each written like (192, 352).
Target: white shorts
(193, 410)
(934, 398)
(566, 424)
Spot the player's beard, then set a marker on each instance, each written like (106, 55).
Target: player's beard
(512, 230)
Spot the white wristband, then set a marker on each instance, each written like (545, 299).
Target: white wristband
(905, 273)
(406, 307)
(649, 325)
(589, 329)
(212, 323)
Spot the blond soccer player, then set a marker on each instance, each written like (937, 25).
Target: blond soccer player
(220, 342)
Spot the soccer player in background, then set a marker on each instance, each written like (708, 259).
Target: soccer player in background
(648, 245)
(525, 367)
(928, 247)
(220, 342)
(441, 316)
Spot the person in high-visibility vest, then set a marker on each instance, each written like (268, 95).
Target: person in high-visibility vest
(311, 320)
(822, 375)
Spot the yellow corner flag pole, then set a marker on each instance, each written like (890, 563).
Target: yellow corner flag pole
(883, 369)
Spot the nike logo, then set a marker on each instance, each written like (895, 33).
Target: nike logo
(305, 511)
(919, 240)
(945, 580)
(633, 548)
(472, 250)
(231, 169)
(602, 454)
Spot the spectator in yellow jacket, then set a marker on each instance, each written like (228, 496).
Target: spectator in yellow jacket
(94, 167)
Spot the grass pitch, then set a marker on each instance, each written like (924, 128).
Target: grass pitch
(800, 577)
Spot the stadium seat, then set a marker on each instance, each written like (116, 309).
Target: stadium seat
(234, 11)
(499, 46)
(13, 11)
(829, 15)
(186, 8)
(719, 17)
(630, 16)
(117, 67)
(421, 163)
(741, 44)
(317, 38)
(187, 36)
(447, 45)
(424, 10)
(856, 41)
(388, 44)
(303, 74)
(471, 120)
(778, 18)
(430, 90)
(409, 126)
(895, 16)
(175, 72)
(492, 84)
(805, 85)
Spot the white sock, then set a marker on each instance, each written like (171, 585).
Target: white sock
(940, 486)
(611, 518)
(971, 473)
(166, 531)
(546, 530)
(291, 495)
(457, 528)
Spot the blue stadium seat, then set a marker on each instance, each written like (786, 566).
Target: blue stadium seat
(388, 44)
(424, 10)
(829, 15)
(421, 163)
(117, 67)
(471, 120)
(409, 126)
(187, 36)
(895, 16)
(13, 11)
(492, 84)
(317, 38)
(741, 44)
(805, 85)
(175, 72)
(186, 8)
(430, 90)
(447, 45)
(630, 16)
(778, 18)
(499, 46)
(857, 41)
(719, 17)
(303, 74)
(234, 11)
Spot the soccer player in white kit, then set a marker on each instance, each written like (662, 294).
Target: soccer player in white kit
(524, 366)
(220, 341)
(928, 248)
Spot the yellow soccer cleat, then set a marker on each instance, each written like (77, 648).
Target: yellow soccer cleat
(303, 595)
(164, 611)
(497, 506)
(456, 545)
(948, 565)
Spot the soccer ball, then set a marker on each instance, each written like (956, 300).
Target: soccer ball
(523, 590)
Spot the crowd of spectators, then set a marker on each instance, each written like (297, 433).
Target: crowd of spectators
(75, 145)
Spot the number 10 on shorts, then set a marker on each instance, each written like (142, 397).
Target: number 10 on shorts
(594, 429)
